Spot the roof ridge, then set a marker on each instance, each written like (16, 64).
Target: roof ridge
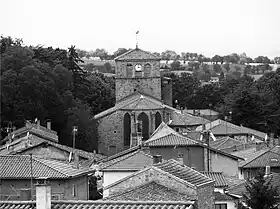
(255, 158)
(122, 153)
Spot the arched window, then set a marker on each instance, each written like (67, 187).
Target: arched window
(147, 70)
(157, 119)
(126, 129)
(143, 125)
(129, 70)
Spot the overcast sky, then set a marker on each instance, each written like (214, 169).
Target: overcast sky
(202, 26)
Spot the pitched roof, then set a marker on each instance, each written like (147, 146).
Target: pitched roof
(161, 137)
(101, 204)
(171, 140)
(223, 127)
(186, 119)
(151, 191)
(183, 172)
(220, 180)
(202, 112)
(267, 158)
(136, 100)
(36, 141)
(225, 142)
(19, 167)
(134, 161)
(218, 196)
(238, 189)
(137, 54)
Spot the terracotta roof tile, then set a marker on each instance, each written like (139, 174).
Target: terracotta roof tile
(100, 204)
(19, 167)
(186, 119)
(171, 140)
(220, 180)
(137, 54)
(151, 191)
(183, 172)
(133, 161)
(136, 100)
(268, 158)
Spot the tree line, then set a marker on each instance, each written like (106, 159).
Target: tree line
(184, 56)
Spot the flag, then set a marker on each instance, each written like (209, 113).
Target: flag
(212, 136)
(137, 32)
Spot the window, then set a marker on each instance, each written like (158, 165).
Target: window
(74, 190)
(129, 69)
(221, 206)
(127, 129)
(147, 70)
(157, 119)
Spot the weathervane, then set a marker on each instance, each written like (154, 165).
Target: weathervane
(137, 39)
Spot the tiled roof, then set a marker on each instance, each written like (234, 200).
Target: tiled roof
(136, 100)
(224, 143)
(220, 127)
(219, 178)
(37, 141)
(151, 191)
(19, 167)
(222, 197)
(186, 119)
(171, 140)
(202, 112)
(137, 54)
(131, 162)
(183, 172)
(268, 158)
(100, 205)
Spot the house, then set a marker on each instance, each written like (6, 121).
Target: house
(182, 121)
(194, 153)
(17, 174)
(257, 161)
(224, 128)
(43, 201)
(171, 178)
(205, 113)
(40, 141)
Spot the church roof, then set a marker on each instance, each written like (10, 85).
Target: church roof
(137, 54)
(135, 101)
(186, 119)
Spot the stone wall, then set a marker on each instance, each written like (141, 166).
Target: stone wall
(166, 91)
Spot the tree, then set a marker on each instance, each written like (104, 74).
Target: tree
(176, 65)
(119, 52)
(101, 53)
(260, 194)
(217, 68)
(169, 55)
(277, 60)
(262, 59)
(227, 67)
(217, 58)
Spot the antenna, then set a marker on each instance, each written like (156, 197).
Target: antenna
(137, 32)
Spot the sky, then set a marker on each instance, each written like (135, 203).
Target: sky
(208, 27)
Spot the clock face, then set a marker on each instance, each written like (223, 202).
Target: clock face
(138, 67)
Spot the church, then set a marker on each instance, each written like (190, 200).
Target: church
(143, 101)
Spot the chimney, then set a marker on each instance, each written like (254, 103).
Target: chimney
(38, 124)
(267, 171)
(43, 194)
(145, 149)
(76, 160)
(49, 124)
(180, 158)
(157, 159)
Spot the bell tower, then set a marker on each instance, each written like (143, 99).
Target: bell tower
(137, 70)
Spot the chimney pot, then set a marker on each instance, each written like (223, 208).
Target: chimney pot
(43, 194)
(157, 159)
(180, 158)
